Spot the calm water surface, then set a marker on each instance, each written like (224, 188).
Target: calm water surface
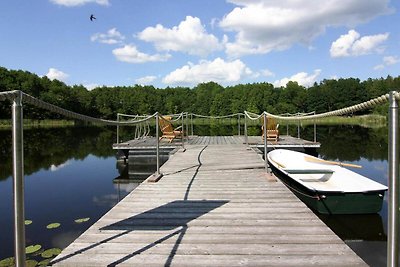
(72, 173)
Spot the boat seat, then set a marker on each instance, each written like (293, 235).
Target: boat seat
(309, 171)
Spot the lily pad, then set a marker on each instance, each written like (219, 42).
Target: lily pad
(44, 262)
(32, 249)
(28, 222)
(51, 252)
(81, 220)
(7, 262)
(53, 225)
(31, 263)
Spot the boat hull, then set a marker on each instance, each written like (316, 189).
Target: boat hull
(334, 203)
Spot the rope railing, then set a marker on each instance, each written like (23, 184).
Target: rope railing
(10, 95)
(217, 117)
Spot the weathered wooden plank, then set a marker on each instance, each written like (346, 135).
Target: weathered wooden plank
(213, 207)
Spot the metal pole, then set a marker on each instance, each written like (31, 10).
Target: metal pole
(158, 144)
(187, 124)
(393, 201)
(18, 175)
(183, 133)
(238, 124)
(287, 128)
(298, 129)
(265, 141)
(118, 129)
(191, 121)
(315, 130)
(245, 130)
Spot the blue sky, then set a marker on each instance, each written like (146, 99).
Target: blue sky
(185, 42)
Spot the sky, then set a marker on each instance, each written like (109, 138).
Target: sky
(186, 42)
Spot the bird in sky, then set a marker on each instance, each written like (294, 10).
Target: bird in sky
(92, 17)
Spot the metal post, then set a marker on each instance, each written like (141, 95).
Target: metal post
(187, 124)
(245, 130)
(191, 121)
(158, 144)
(287, 128)
(183, 133)
(118, 129)
(18, 175)
(315, 129)
(298, 129)
(265, 141)
(238, 124)
(393, 200)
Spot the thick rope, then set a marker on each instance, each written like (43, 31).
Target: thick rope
(252, 116)
(217, 117)
(11, 95)
(70, 114)
(8, 95)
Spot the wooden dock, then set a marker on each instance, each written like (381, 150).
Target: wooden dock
(214, 206)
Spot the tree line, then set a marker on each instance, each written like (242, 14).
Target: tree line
(206, 98)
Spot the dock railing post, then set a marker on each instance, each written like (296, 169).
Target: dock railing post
(238, 124)
(315, 130)
(245, 130)
(18, 175)
(158, 144)
(183, 132)
(298, 128)
(118, 129)
(265, 140)
(187, 124)
(393, 201)
(191, 122)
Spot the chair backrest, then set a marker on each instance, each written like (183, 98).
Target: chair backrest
(166, 125)
(271, 123)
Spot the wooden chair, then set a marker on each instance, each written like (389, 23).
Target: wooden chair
(272, 129)
(168, 130)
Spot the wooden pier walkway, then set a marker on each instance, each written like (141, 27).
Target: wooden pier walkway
(214, 206)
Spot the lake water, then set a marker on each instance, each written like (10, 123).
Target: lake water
(72, 173)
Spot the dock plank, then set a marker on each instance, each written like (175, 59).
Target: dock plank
(214, 206)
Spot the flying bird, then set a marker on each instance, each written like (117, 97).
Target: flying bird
(92, 17)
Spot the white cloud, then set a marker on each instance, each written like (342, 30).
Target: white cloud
(189, 37)
(351, 44)
(302, 78)
(262, 26)
(387, 61)
(55, 74)
(130, 54)
(267, 73)
(391, 60)
(54, 168)
(146, 79)
(218, 71)
(379, 67)
(91, 86)
(111, 37)
(71, 3)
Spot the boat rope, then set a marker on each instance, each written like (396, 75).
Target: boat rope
(318, 197)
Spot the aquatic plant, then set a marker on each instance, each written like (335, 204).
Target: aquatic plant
(51, 252)
(32, 248)
(53, 225)
(81, 220)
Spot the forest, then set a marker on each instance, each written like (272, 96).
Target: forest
(206, 98)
